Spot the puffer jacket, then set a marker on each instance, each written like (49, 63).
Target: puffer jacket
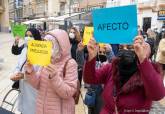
(55, 95)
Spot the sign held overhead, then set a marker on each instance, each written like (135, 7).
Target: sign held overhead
(117, 25)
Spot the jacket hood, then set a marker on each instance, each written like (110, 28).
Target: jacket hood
(63, 40)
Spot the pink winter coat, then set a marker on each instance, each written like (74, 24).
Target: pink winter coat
(55, 95)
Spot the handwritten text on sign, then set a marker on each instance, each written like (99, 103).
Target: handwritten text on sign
(39, 52)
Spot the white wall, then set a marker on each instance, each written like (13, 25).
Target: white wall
(53, 7)
(148, 13)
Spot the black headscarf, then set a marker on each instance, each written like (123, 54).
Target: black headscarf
(35, 33)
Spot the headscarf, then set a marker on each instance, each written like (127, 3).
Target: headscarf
(35, 33)
(55, 47)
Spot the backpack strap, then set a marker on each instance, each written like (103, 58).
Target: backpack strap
(64, 71)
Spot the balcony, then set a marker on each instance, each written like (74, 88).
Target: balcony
(62, 1)
(161, 3)
(147, 5)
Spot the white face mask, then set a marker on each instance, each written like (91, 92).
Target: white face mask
(71, 35)
(28, 39)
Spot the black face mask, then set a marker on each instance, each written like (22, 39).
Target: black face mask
(127, 64)
(101, 58)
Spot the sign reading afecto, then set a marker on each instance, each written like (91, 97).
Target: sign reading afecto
(117, 25)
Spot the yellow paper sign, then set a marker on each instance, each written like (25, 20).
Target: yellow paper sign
(88, 33)
(39, 52)
(101, 44)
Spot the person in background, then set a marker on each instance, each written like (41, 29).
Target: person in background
(57, 82)
(75, 38)
(27, 97)
(31, 32)
(115, 48)
(151, 40)
(160, 57)
(128, 80)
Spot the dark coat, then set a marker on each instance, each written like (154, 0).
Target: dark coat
(136, 95)
(16, 50)
(74, 45)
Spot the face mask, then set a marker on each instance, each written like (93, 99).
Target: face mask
(28, 39)
(127, 64)
(71, 35)
(102, 58)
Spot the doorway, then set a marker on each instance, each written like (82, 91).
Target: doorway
(146, 23)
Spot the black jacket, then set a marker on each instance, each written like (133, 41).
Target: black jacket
(17, 50)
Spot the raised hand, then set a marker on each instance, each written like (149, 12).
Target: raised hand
(141, 48)
(92, 49)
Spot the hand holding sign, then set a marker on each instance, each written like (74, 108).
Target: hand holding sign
(17, 38)
(92, 49)
(117, 25)
(141, 48)
(28, 68)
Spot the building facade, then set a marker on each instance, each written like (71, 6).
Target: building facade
(148, 11)
(148, 14)
(16, 10)
(4, 16)
(33, 9)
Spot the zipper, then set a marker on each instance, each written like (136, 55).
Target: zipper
(45, 99)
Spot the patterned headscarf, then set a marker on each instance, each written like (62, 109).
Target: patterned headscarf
(55, 47)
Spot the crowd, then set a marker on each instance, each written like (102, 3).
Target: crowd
(120, 79)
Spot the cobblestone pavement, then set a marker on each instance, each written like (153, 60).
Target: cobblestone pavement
(7, 64)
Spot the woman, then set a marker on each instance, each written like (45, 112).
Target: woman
(55, 90)
(31, 32)
(129, 81)
(151, 40)
(75, 38)
(160, 58)
(27, 97)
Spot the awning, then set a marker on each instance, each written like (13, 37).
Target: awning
(32, 22)
(63, 17)
(41, 19)
(161, 18)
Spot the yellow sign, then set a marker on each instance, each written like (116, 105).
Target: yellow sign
(88, 34)
(39, 52)
(101, 44)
